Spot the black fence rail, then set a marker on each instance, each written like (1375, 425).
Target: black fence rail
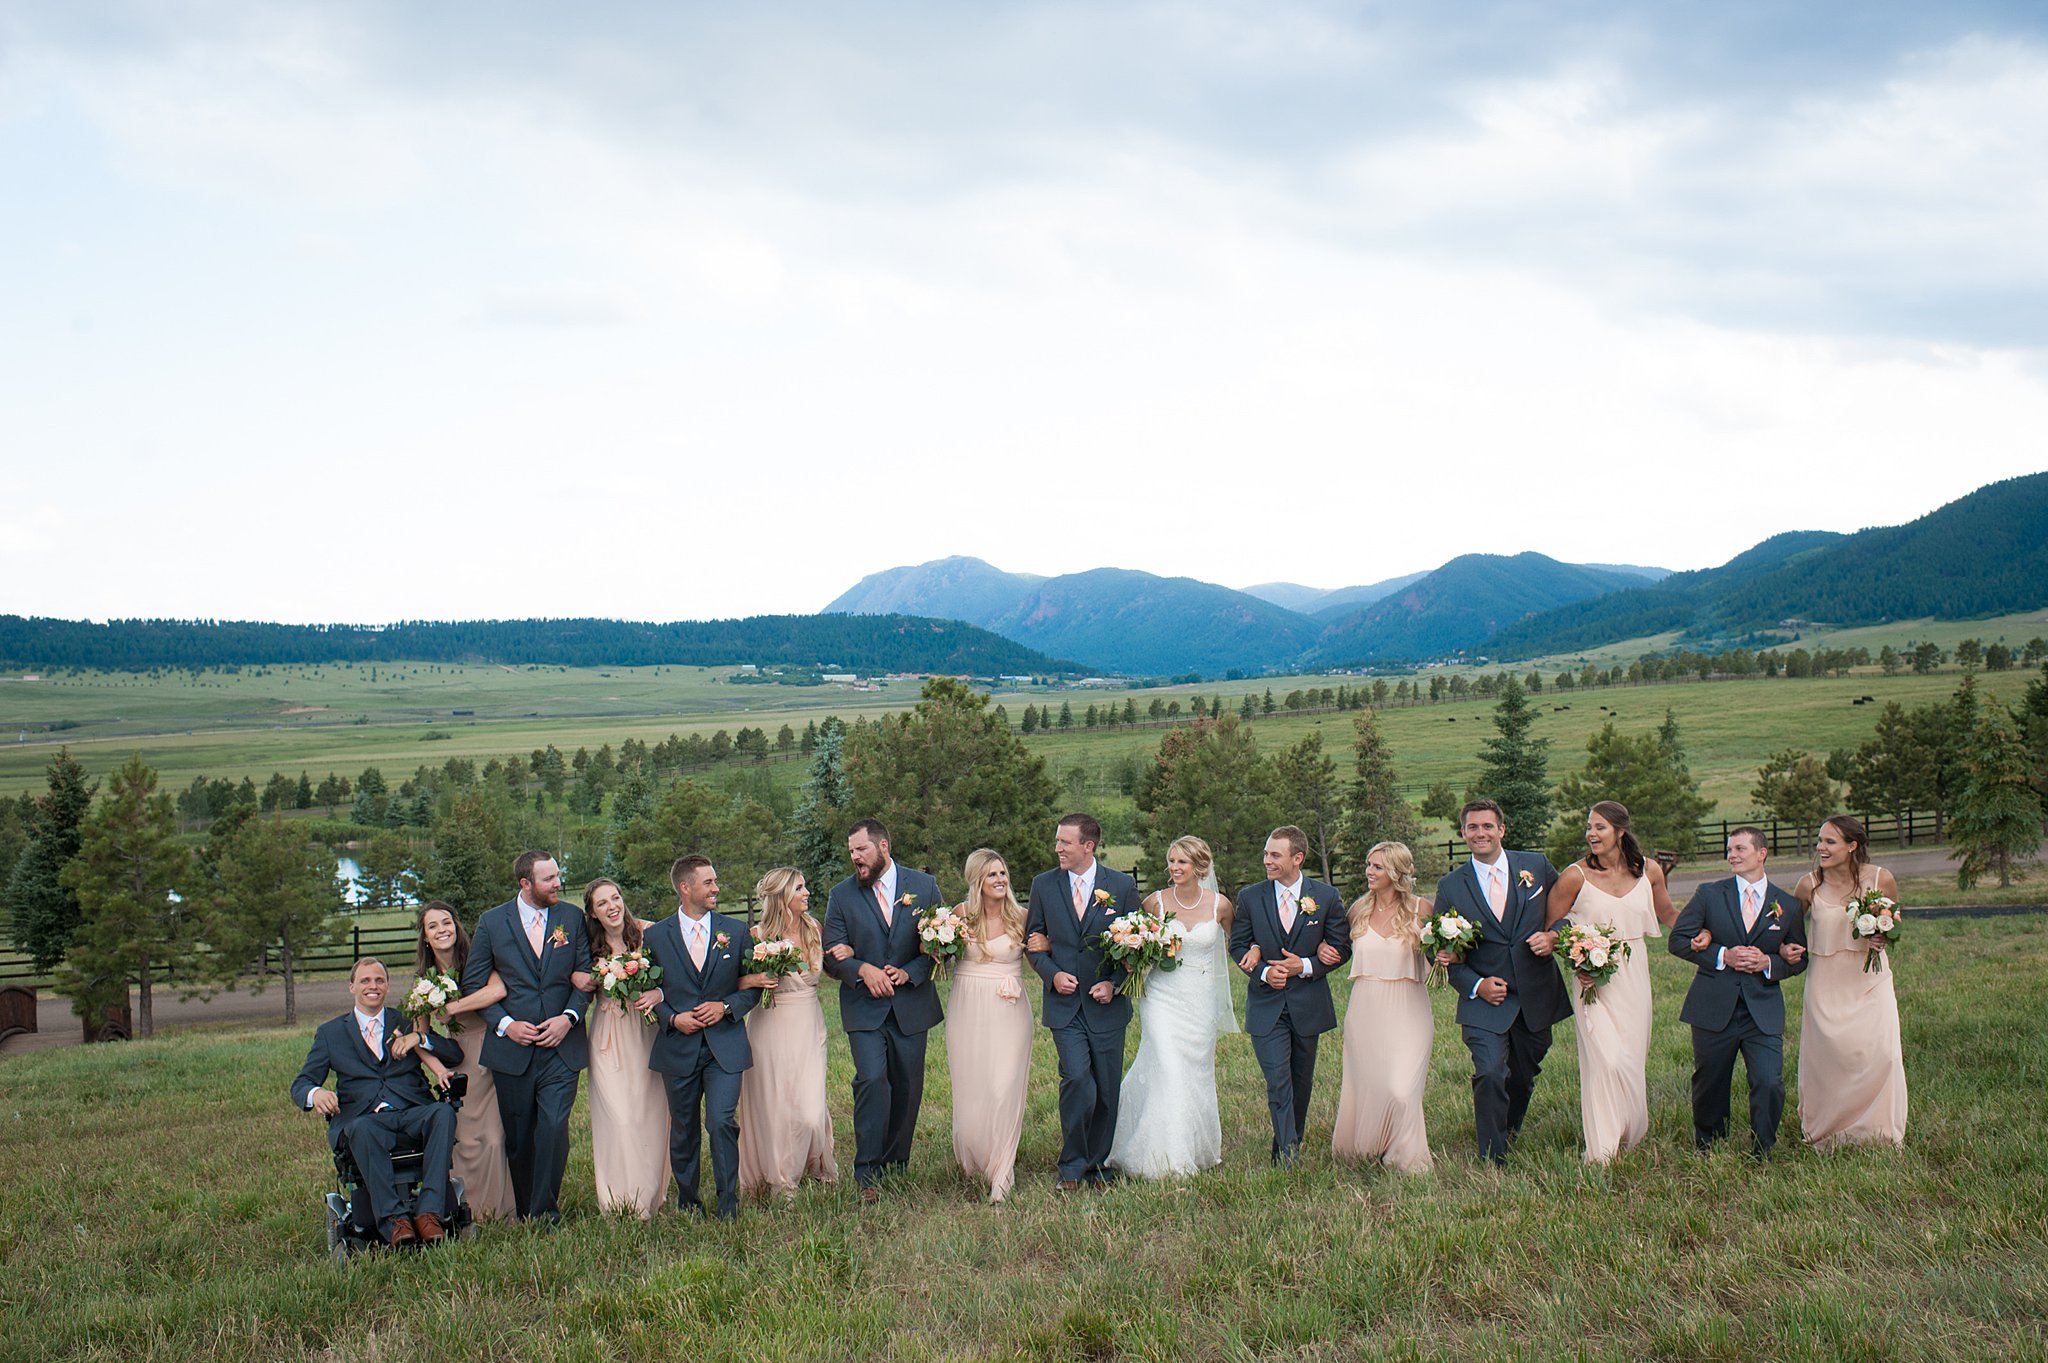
(1710, 840)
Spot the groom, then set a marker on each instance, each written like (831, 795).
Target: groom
(887, 1004)
(1743, 936)
(1070, 906)
(1509, 989)
(534, 1043)
(1301, 931)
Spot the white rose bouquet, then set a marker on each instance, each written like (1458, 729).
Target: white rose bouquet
(1445, 930)
(1140, 942)
(1594, 953)
(941, 935)
(426, 1003)
(777, 956)
(1874, 918)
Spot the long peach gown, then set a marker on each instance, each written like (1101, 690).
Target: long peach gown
(1387, 1034)
(785, 1124)
(988, 1053)
(479, 1157)
(1852, 1066)
(628, 1112)
(1614, 1026)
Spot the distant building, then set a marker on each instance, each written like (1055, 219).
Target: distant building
(839, 677)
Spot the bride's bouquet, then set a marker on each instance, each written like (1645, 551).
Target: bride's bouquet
(1142, 941)
(777, 956)
(625, 977)
(941, 935)
(426, 1003)
(1445, 930)
(1872, 915)
(1594, 953)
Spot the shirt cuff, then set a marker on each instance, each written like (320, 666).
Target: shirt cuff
(309, 1098)
(1767, 967)
(1719, 962)
(1308, 966)
(1475, 989)
(1264, 972)
(504, 1023)
(571, 1014)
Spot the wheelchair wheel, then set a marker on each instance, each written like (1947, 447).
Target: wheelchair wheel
(337, 1228)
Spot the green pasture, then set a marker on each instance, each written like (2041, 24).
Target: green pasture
(2012, 630)
(160, 1201)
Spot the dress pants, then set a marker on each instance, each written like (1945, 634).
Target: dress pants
(1091, 1082)
(714, 1095)
(535, 1108)
(1289, 1061)
(371, 1139)
(1713, 1076)
(888, 1090)
(1504, 1070)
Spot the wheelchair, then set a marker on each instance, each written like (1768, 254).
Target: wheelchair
(352, 1228)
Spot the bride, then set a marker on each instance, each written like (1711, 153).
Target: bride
(1168, 1121)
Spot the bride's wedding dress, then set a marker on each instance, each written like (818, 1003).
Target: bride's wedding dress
(1167, 1122)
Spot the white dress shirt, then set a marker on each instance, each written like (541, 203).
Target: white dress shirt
(1308, 963)
(1761, 885)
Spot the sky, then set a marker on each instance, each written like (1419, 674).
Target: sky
(663, 310)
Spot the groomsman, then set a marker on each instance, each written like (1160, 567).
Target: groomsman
(1509, 989)
(378, 1096)
(534, 1043)
(886, 1000)
(1070, 906)
(701, 1050)
(1301, 931)
(1744, 936)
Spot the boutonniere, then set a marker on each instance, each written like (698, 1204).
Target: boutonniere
(908, 901)
(560, 937)
(1527, 878)
(1309, 908)
(1776, 910)
(723, 941)
(1103, 899)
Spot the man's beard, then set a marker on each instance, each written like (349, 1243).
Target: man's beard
(863, 876)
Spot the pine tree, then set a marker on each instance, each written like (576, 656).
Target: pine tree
(1375, 811)
(132, 922)
(1514, 769)
(269, 889)
(1997, 821)
(43, 913)
(1793, 787)
(818, 827)
(1207, 779)
(1647, 774)
(1305, 786)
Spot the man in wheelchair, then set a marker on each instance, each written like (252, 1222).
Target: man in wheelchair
(390, 1135)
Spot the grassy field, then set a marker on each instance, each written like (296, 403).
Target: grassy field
(160, 1201)
(2012, 630)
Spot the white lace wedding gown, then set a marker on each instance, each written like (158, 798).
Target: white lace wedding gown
(1167, 1120)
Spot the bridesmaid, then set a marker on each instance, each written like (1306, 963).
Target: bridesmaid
(1615, 886)
(785, 1124)
(1852, 1069)
(628, 1105)
(1388, 1027)
(479, 1159)
(989, 1027)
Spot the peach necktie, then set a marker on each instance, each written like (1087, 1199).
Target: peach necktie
(1497, 891)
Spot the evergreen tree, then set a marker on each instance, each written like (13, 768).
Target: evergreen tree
(1514, 769)
(1375, 811)
(1208, 779)
(132, 921)
(1997, 822)
(947, 778)
(1440, 801)
(634, 799)
(1895, 769)
(302, 798)
(471, 862)
(1030, 722)
(372, 800)
(1066, 715)
(270, 889)
(1793, 788)
(1646, 773)
(818, 828)
(42, 910)
(1305, 786)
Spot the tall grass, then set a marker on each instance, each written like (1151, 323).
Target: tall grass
(160, 1201)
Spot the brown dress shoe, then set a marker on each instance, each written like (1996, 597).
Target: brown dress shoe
(870, 1193)
(402, 1232)
(1068, 1185)
(430, 1228)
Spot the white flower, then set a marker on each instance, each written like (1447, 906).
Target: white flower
(437, 998)
(1597, 957)
(946, 932)
(1885, 922)
(1866, 925)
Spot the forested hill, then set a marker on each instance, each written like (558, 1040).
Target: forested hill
(1984, 554)
(863, 643)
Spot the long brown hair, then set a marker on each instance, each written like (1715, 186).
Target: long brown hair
(978, 862)
(1852, 831)
(780, 917)
(423, 957)
(1616, 815)
(594, 927)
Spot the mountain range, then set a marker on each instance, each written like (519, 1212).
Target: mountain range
(1984, 554)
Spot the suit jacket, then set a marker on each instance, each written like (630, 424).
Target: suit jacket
(361, 1080)
(684, 986)
(1536, 990)
(1077, 946)
(1717, 906)
(1305, 1001)
(854, 919)
(536, 988)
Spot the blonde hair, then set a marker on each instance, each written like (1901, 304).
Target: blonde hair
(780, 916)
(1401, 866)
(978, 862)
(1195, 850)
